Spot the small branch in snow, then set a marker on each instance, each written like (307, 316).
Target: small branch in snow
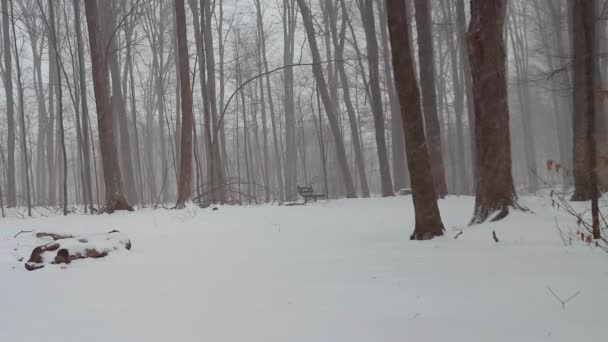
(562, 301)
(457, 235)
(495, 237)
(22, 232)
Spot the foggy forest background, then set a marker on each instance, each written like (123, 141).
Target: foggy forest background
(260, 124)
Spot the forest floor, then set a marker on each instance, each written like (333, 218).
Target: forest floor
(334, 271)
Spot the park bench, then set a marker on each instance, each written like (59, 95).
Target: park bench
(308, 194)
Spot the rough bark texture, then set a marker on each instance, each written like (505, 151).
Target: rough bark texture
(583, 61)
(115, 198)
(494, 182)
(428, 219)
(327, 103)
(185, 166)
(429, 94)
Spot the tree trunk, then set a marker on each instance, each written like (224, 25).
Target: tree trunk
(350, 109)
(185, 166)
(115, 198)
(369, 25)
(494, 182)
(428, 220)
(119, 108)
(584, 61)
(327, 103)
(429, 94)
(291, 164)
(400, 173)
(11, 192)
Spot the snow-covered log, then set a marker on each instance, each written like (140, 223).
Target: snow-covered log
(64, 250)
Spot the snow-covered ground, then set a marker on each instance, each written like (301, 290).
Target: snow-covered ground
(338, 271)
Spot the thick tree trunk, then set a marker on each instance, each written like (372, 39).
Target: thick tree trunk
(327, 103)
(428, 219)
(494, 182)
(429, 94)
(584, 61)
(115, 198)
(185, 166)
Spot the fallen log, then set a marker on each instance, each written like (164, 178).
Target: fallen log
(67, 249)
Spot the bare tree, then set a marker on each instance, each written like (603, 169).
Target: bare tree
(11, 194)
(185, 167)
(369, 25)
(428, 220)
(495, 192)
(115, 198)
(327, 102)
(429, 93)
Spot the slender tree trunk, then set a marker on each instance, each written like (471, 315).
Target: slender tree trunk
(119, 108)
(11, 192)
(429, 94)
(466, 77)
(400, 173)
(327, 103)
(352, 117)
(494, 183)
(291, 158)
(185, 167)
(22, 127)
(428, 219)
(369, 25)
(115, 198)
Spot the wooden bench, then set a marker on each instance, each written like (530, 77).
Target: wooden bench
(308, 194)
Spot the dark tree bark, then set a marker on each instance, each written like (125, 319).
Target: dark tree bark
(327, 103)
(584, 61)
(494, 182)
(585, 112)
(11, 194)
(428, 219)
(429, 93)
(115, 198)
(185, 166)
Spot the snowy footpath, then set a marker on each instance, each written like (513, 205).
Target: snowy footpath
(337, 271)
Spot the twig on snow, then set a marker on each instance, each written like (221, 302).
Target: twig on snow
(562, 301)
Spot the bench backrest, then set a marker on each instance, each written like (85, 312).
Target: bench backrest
(305, 190)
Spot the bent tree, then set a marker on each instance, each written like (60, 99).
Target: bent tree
(494, 188)
(428, 219)
(115, 197)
